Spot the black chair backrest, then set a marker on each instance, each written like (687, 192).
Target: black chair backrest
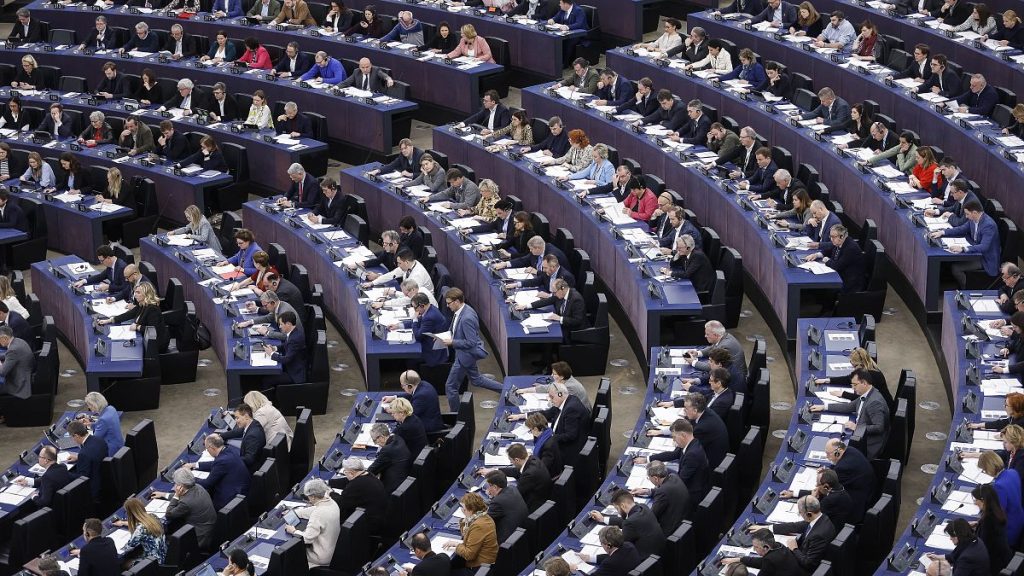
(142, 440)
(288, 558)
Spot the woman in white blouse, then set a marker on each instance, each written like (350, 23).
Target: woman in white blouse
(667, 41)
(259, 112)
(268, 416)
(7, 296)
(718, 58)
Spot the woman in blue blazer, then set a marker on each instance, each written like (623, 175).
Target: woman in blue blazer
(223, 50)
(107, 423)
(750, 70)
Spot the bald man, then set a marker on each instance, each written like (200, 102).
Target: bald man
(368, 77)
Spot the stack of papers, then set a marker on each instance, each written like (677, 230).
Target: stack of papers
(536, 321)
(121, 333)
(784, 512)
(950, 242)
(110, 310)
(961, 502)
(261, 359)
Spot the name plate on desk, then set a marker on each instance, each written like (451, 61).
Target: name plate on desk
(75, 147)
(177, 171)
(15, 94)
(807, 46)
(147, 162)
(101, 348)
(351, 39)
(165, 114)
(889, 82)
(303, 84)
(748, 26)
(82, 207)
(236, 70)
(92, 101)
(270, 77)
(126, 55)
(47, 48)
(369, 101)
(163, 59)
(48, 196)
(778, 36)
(268, 138)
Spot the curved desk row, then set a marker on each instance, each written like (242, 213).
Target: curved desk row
(981, 162)
(432, 82)
(978, 396)
(322, 257)
(373, 132)
(859, 193)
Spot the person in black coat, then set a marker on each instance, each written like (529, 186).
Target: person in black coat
(410, 428)
(845, 257)
(835, 501)
(494, 115)
(49, 123)
(690, 264)
(361, 489)
(571, 421)
(254, 438)
(330, 209)
(223, 106)
(814, 533)
(670, 499)
(11, 214)
(99, 555)
(228, 476)
(968, 558)
(430, 563)
(569, 308)
(209, 156)
(991, 527)
(18, 324)
(620, 556)
(693, 462)
(172, 144)
(543, 442)
(855, 474)
(304, 191)
(532, 478)
(393, 461)
(55, 477)
(707, 427)
(147, 313)
(293, 63)
(670, 113)
(410, 236)
(112, 85)
(506, 507)
(14, 118)
(778, 81)
(187, 97)
(943, 81)
(291, 354)
(773, 559)
(556, 144)
(639, 525)
(722, 397)
(695, 129)
(407, 161)
(26, 29)
(92, 451)
(188, 46)
(292, 123)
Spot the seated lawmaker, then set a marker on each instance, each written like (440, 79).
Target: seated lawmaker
(187, 98)
(369, 78)
(980, 98)
(368, 25)
(179, 44)
(695, 130)
(639, 524)
(13, 117)
(599, 171)
(264, 10)
(290, 354)
(228, 477)
(519, 130)
(673, 225)
(150, 91)
(483, 211)
(293, 62)
(982, 237)
(223, 50)
(29, 76)
(613, 89)
(407, 30)
(223, 107)
(762, 182)
(100, 37)
(57, 123)
(292, 123)
(641, 202)
(669, 39)
(338, 18)
(54, 478)
(462, 193)
(227, 8)
(405, 162)
(112, 85)
(583, 79)
(295, 13)
(73, 178)
(208, 157)
(533, 481)
(429, 320)
(255, 55)
(494, 115)
(780, 14)
(38, 172)
(838, 34)
(259, 112)
(671, 113)
(832, 111)
(954, 214)
(750, 70)
(550, 272)
(808, 23)
(444, 42)
(868, 46)
(557, 142)
(846, 258)
(98, 132)
(692, 265)
(569, 310)
(394, 460)
(943, 81)
(717, 59)
(172, 144)
(142, 41)
(324, 523)
(818, 227)
(643, 102)
(423, 398)
(779, 82)
(304, 191)
(410, 428)
(570, 16)
(329, 210)
(326, 69)
(147, 313)
(247, 248)
(1010, 33)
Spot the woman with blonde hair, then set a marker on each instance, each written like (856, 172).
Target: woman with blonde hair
(860, 358)
(29, 77)
(146, 313)
(198, 228)
(39, 172)
(10, 297)
(116, 192)
(147, 532)
(484, 209)
(472, 45)
(264, 412)
(479, 535)
(410, 428)
(1017, 128)
(1011, 33)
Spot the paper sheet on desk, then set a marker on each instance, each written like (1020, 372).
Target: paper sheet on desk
(537, 156)
(670, 414)
(526, 297)
(805, 479)
(1010, 141)
(111, 309)
(180, 240)
(972, 473)
(261, 359)
(437, 543)
(518, 274)
(574, 559)
(1000, 386)
(886, 171)
(157, 507)
(961, 502)
(932, 97)
(68, 197)
(662, 444)
(533, 401)
(121, 333)
(536, 321)
(784, 512)
(465, 222)
(120, 538)
(939, 539)
(961, 242)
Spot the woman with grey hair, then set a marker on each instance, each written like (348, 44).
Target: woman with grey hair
(98, 132)
(106, 425)
(321, 532)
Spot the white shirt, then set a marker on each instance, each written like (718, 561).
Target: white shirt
(490, 118)
(720, 63)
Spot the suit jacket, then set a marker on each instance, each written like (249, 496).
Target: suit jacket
(300, 123)
(641, 527)
(142, 141)
(985, 242)
(34, 33)
(83, 181)
(619, 563)
(723, 402)
(730, 343)
(188, 45)
(713, 436)
(273, 9)
(99, 558)
(331, 210)
(789, 15)
(763, 180)
(508, 510)
(957, 210)
(550, 454)
(970, 558)
(916, 70)
(777, 561)
(694, 470)
(873, 420)
(848, 261)
(697, 269)
(199, 100)
(466, 337)
(292, 356)
(811, 544)
(433, 565)
(174, 149)
(981, 103)
(310, 192)
(575, 19)
(858, 477)
(624, 92)
(109, 39)
(65, 129)
(229, 111)
(233, 8)
(393, 463)
(151, 43)
(302, 63)
(403, 164)
(820, 233)
(533, 482)
(378, 81)
(367, 492)
(696, 131)
(838, 506)
(545, 9)
(834, 116)
(107, 427)
(961, 11)
(571, 309)
(433, 322)
(414, 434)
(747, 164)
(13, 216)
(570, 425)
(55, 478)
(502, 117)
(425, 405)
(228, 477)
(17, 369)
(670, 503)
(948, 81)
(253, 441)
(528, 259)
(195, 507)
(90, 456)
(744, 7)
(586, 84)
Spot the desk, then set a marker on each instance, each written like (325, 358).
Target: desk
(983, 163)
(608, 255)
(342, 290)
(218, 316)
(432, 82)
(374, 131)
(75, 321)
(531, 51)
(483, 290)
(913, 543)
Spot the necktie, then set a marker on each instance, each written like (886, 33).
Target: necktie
(975, 233)
(940, 83)
(366, 83)
(835, 253)
(561, 310)
(540, 259)
(300, 190)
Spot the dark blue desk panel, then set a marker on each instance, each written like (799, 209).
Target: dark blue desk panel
(608, 256)
(816, 440)
(341, 290)
(385, 208)
(432, 82)
(530, 50)
(75, 322)
(981, 162)
(958, 363)
(175, 262)
(373, 132)
(737, 227)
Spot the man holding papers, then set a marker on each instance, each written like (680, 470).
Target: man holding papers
(469, 349)
(845, 257)
(551, 272)
(982, 237)
(111, 279)
(291, 353)
(569, 309)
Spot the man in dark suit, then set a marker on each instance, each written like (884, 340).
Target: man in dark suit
(19, 326)
(393, 461)
(669, 113)
(90, 455)
(690, 264)
(16, 371)
(870, 410)
(780, 14)
(407, 162)
(880, 138)
(430, 563)
(253, 437)
(953, 12)
(639, 525)
(286, 291)
(670, 499)
(763, 179)
(172, 144)
(920, 67)
(1010, 285)
(429, 320)
(291, 353)
(506, 507)
(293, 62)
(469, 349)
(695, 130)
(982, 236)
(818, 228)
(539, 250)
(536, 9)
(369, 77)
(54, 477)
(620, 556)
(569, 309)
(673, 225)
(613, 89)
(943, 81)
(833, 111)
(707, 427)
(845, 257)
(179, 44)
(570, 421)
(814, 533)
(57, 123)
(329, 210)
(961, 194)
(551, 271)
(835, 501)
(504, 224)
(305, 189)
(26, 29)
(744, 7)
(785, 187)
(855, 474)
(744, 156)
(100, 37)
(190, 504)
(11, 214)
(773, 559)
(532, 478)
(493, 116)
(411, 237)
(188, 98)
(722, 397)
(423, 397)
(694, 470)
(644, 102)
(99, 555)
(292, 123)
(980, 98)
(360, 489)
(223, 106)
(228, 477)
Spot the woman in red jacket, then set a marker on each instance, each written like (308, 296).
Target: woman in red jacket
(641, 201)
(256, 56)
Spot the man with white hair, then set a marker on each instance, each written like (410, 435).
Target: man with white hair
(690, 264)
(570, 418)
(321, 532)
(819, 227)
(979, 99)
(718, 338)
(143, 41)
(292, 123)
(360, 489)
(394, 461)
(188, 98)
(179, 44)
(304, 191)
(407, 30)
(190, 504)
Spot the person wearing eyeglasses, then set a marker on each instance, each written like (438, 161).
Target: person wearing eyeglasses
(54, 477)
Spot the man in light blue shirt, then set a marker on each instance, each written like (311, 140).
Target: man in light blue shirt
(838, 34)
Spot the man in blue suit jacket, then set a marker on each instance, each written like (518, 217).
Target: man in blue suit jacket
(614, 90)
(832, 111)
(228, 475)
(293, 62)
(111, 279)
(535, 257)
(90, 455)
(846, 258)
(983, 238)
(429, 320)
(17, 323)
(291, 353)
(954, 213)
(228, 8)
(763, 180)
(779, 13)
(980, 98)
(469, 349)
(818, 227)
(569, 16)
(545, 279)
(695, 130)
(423, 397)
(693, 462)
